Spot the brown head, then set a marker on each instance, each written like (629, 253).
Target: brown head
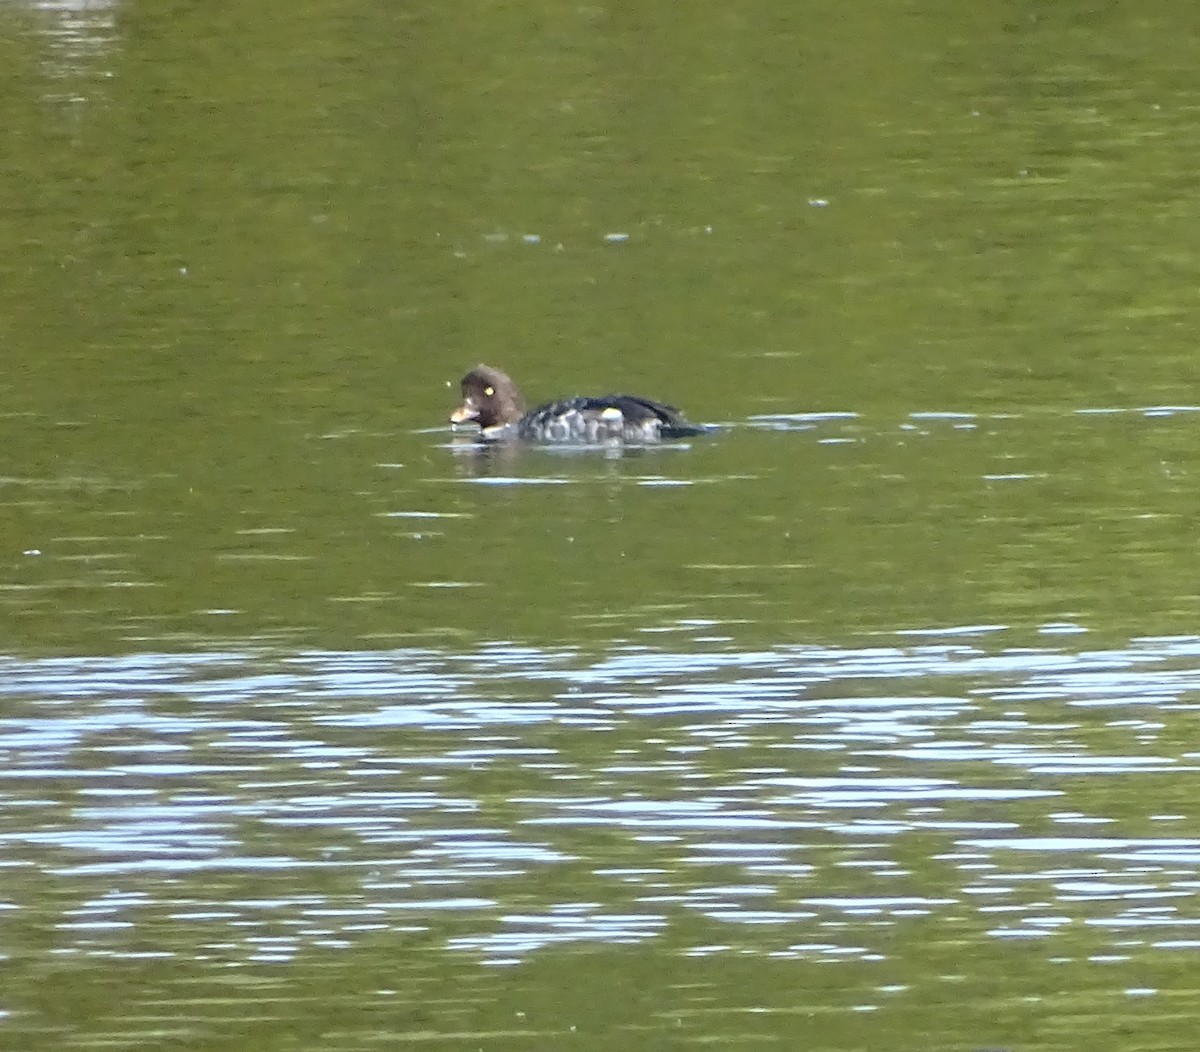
(489, 398)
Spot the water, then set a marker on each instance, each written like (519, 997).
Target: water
(449, 814)
(865, 721)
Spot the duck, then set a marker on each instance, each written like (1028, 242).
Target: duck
(493, 401)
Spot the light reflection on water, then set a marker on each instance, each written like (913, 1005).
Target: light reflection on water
(793, 799)
(80, 37)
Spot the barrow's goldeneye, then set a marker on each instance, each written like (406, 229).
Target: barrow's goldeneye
(492, 400)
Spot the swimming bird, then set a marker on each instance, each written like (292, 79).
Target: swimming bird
(493, 401)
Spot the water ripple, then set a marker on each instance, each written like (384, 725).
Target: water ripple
(799, 793)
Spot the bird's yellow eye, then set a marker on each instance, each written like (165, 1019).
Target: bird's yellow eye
(489, 391)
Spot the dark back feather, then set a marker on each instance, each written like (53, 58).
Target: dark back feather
(635, 409)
